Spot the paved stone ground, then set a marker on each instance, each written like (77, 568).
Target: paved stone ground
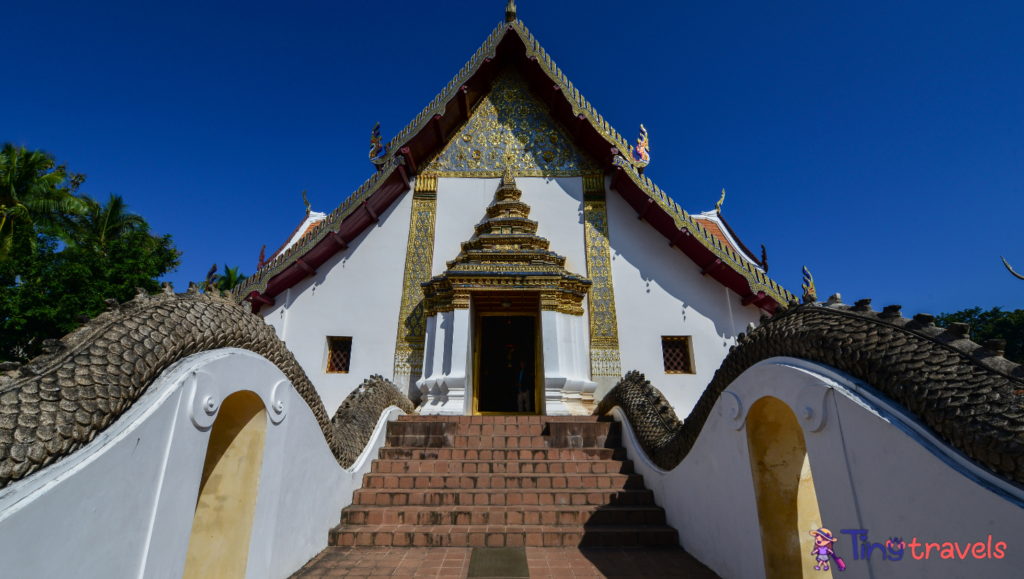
(544, 562)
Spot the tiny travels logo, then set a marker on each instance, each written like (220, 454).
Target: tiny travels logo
(894, 549)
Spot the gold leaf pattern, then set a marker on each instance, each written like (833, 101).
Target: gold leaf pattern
(419, 257)
(604, 332)
(509, 126)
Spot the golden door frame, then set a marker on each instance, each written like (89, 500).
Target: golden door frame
(538, 362)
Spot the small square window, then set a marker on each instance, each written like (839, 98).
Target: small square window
(678, 355)
(339, 355)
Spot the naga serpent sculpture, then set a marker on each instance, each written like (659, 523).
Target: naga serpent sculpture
(1015, 274)
(968, 394)
(61, 400)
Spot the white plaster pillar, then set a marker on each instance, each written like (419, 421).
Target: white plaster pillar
(457, 380)
(427, 380)
(439, 340)
(567, 388)
(554, 379)
(582, 334)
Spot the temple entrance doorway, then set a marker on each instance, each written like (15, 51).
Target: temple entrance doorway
(507, 365)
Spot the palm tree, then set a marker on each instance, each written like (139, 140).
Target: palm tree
(31, 194)
(105, 222)
(223, 283)
(230, 278)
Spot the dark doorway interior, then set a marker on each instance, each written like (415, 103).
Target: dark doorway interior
(508, 350)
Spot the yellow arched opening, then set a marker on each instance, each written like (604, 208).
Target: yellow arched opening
(787, 507)
(222, 526)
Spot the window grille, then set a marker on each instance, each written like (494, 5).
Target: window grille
(677, 353)
(339, 355)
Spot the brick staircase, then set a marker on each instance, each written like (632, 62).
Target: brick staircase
(503, 481)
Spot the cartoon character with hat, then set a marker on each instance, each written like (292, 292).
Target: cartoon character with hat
(823, 549)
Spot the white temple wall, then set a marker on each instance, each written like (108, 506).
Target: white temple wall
(659, 292)
(123, 504)
(875, 467)
(357, 293)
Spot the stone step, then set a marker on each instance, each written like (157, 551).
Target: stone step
(503, 536)
(501, 442)
(580, 466)
(561, 431)
(532, 481)
(501, 497)
(515, 515)
(584, 434)
(502, 419)
(437, 428)
(531, 454)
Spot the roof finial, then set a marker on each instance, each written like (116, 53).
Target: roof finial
(377, 149)
(510, 11)
(718, 206)
(306, 201)
(643, 149)
(211, 278)
(810, 293)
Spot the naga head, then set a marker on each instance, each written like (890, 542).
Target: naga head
(642, 149)
(377, 148)
(1015, 274)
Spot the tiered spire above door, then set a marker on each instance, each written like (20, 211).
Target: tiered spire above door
(507, 254)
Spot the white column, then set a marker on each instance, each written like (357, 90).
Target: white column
(554, 377)
(457, 380)
(427, 380)
(439, 340)
(583, 363)
(567, 388)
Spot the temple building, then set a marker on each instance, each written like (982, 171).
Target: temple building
(507, 346)
(510, 225)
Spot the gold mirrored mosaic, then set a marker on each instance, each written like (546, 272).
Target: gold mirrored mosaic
(509, 127)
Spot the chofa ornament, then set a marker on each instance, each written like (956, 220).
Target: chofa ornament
(377, 148)
(642, 149)
(810, 293)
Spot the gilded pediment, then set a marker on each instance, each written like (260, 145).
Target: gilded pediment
(511, 127)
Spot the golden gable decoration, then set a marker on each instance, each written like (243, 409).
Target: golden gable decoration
(510, 126)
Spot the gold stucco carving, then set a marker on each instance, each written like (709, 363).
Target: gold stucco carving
(509, 127)
(419, 256)
(604, 332)
(506, 254)
(426, 184)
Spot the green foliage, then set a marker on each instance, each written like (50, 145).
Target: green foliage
(104, 222)
(994, 324)
(36, 196)
(225, 282)
(62, 254)
(230, 278)
(42, 290)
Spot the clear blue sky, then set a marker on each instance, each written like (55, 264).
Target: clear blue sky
(881, 144)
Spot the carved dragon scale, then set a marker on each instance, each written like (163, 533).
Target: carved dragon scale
(970, 396)
(56, 404)
(63, 399)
